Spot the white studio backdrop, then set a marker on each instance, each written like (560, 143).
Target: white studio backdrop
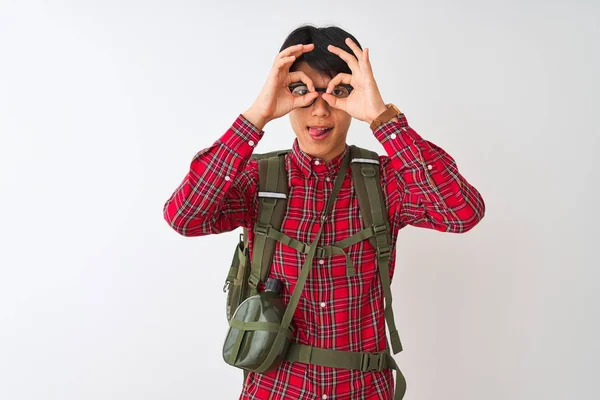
(103, 104)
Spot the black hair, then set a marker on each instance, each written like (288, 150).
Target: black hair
(321, 59)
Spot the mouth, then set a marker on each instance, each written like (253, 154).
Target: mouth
(319, 132)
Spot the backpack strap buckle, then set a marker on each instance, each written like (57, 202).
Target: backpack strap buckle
(383, 251)
(261, 229)
(320, 252)
(373, 361)
(377, 229)
(253, 280)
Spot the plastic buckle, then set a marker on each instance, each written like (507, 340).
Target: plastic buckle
(261, 229)
(253, 281)
(383, 251)
(379, 228)
(320, 252)
(306, 248)
(372, 361)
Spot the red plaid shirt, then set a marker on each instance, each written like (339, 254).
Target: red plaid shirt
(422, 187)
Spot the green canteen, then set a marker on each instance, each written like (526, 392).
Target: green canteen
(251, 340)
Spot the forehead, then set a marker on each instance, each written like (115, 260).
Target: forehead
(317, 78)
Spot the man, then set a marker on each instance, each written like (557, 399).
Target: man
(421, 186)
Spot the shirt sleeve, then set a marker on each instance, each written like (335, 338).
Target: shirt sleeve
(218, 194)
(423, 182)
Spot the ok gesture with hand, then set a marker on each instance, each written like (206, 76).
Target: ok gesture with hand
(365, 102)
(275, 99)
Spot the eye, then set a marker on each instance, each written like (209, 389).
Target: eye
(298, 90)
(341, 91)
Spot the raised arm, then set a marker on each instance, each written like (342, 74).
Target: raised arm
(427, 189)
(218, 194)
(430, 191)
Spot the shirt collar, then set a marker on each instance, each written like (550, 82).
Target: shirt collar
(310, 165)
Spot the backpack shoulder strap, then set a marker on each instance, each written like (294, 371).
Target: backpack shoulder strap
(367, 184)
(272, 203)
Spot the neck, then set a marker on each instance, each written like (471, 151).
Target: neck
(326, 157)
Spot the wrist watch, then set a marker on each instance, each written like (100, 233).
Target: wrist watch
(391, 112)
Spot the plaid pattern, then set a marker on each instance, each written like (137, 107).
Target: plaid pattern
(422, 187)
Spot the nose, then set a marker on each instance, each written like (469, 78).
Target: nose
(318, 90)
(319, 106)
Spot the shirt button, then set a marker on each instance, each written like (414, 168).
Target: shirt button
(324, 397)
(430, 167)
(251, 143)
(227, 178)
(328, 179)
(317, 162)
(323, 304)
(321, 261)
(393, 136)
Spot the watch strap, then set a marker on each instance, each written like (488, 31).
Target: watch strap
(391, 112)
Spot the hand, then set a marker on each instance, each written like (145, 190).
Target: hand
(275, 99)
(365, 102)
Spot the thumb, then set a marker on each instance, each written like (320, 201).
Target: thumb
(306, 99)
(334, 101)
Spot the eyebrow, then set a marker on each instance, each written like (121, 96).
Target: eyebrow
(294, 84)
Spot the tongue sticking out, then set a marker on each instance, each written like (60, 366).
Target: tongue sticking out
(318, 132)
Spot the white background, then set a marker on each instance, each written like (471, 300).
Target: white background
(103, 104)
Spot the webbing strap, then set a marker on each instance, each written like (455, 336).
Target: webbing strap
(254, 325)
(304, 248)
(356, 238)
(322, 251)
(380, 226)
(293, 302)
(363, 361)
(269, 207)
(333, 249)
(286, 240)
(235, 264)
(301, 247)
(236, 347)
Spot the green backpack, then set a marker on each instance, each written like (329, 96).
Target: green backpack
(245, 274)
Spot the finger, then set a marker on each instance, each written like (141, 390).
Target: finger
(339, 78)
(350, 59)
(299, 76)
(292, 50)
(285, 62)
(357, 51)
(334, 101)
(308, 47)
(295, 50)
(367, 60)
(305, 100)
